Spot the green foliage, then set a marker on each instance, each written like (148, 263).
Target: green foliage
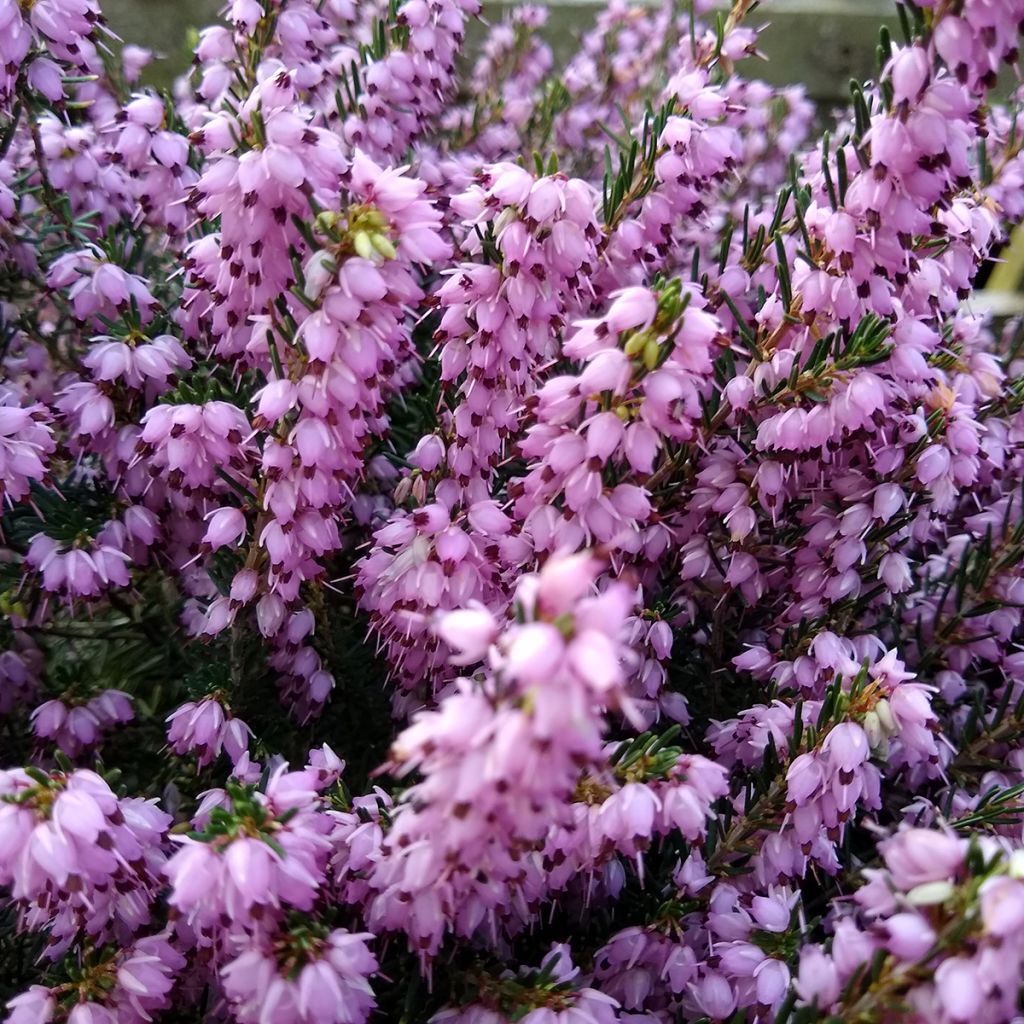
(634, 177)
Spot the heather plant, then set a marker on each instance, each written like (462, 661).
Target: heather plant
(489, 541)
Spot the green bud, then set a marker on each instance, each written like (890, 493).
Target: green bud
(873, 729)
(886, 717)
(326, 220)
(652, 353)
(383, 245)
(635, 343)
(11, 605)
(668, 300)
(565, 624)
(363, 245)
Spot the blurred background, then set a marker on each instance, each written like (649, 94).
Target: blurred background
(822, 43)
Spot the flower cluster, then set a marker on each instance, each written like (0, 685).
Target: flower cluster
(79, 861)
(620, 474)
(204, 728)
(25, 442)
(75, 726)
(130, 983)
(501, 758)
(942, 902)
(260, 851)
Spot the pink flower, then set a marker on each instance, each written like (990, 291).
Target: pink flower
(332, 986)
(35, 1006)
(469, 632)
(225, 526)
(204, 728)
(916, 856)
(959, 988)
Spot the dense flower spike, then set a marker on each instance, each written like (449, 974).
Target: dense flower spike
(80, 863)
(326, 979)
(627, 482)
(42, 39)
(436, 559)
(461, 838)
(407, 86)
(913, 912)
(26, 440)
(259, 853)
(500, 322)
(644, 376)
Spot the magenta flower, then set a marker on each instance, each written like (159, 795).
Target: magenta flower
(204, 729)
